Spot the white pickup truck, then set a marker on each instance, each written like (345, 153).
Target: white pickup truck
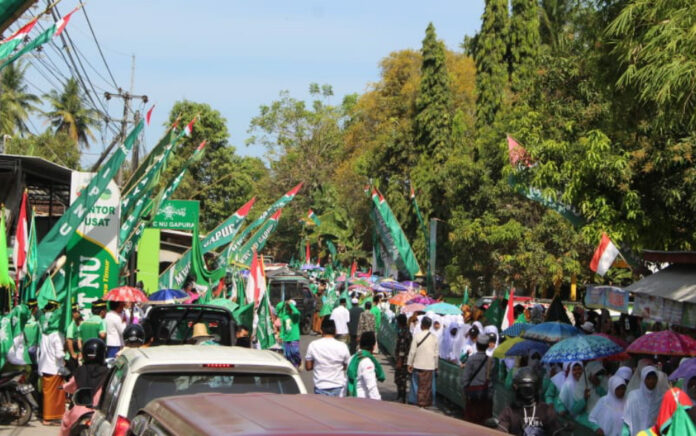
(140, 375)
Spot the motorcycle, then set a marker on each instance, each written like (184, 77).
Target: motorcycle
(16, 399)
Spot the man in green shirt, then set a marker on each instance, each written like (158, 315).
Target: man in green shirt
(94, 326)
(73, 356)
(376, 312)
(289, 317)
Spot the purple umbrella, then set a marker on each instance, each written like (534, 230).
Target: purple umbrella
(422, 300)
(396, 286)
(686, 370)
(411, 285)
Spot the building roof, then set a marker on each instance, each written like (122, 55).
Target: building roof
(676, 257)
(676, 282)
(273, 414)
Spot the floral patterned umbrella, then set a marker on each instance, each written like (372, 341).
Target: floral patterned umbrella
(581, 347)
(402, 298)
(126, 294)
(664, 343)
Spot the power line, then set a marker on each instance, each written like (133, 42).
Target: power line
(89, 23)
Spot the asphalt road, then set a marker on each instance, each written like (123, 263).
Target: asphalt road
(387, 389)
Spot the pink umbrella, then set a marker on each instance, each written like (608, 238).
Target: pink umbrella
(665, 343)
(126, 294)
(423, 300)
(414, 307)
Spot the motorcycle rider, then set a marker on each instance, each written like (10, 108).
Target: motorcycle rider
(526, 415)
(90, 375)
(133, 336)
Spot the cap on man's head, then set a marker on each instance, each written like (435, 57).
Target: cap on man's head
(99, 304)
(32, 303)
(355, 301)
(75, 307)
(482, 340)
(51, 305)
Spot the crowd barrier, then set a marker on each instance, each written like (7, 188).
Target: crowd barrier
(449, 381)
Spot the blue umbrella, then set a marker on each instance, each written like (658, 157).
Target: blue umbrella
(167, 296)
(516, 329)
(581, 347)
(527, 347)
(550, 332)
(443, 308)
(395, 286)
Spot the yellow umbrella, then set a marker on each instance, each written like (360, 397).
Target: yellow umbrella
(502, 348)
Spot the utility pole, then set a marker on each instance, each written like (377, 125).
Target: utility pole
(126, 97)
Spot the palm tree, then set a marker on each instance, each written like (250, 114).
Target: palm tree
(71, 115)
(16, 103)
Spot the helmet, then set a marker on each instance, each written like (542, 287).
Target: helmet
(526, 385)
(134, 335)
(94, 351)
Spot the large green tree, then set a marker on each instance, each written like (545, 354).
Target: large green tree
(16, 102)
(221, 181)
(490, 56)
(524, 42)
(433, 124)
(70, 113)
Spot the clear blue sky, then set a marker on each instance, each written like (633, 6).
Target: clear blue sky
(238, 55)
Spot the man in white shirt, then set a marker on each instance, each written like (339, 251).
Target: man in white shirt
(366, 380)
(423, 360)
(328, 358)
(341, 316)
(51, 358)
(115, 324)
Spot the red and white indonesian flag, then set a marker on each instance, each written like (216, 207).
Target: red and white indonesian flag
(604, 256)
(509, 317)
(20, 243)
(518, 155)
(189, 127)
(256, 284)
(148, 115)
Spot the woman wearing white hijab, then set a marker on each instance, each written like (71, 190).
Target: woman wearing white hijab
(492, 330)
(643, 404)
(608, 414)
(574, 396)
(625, 373)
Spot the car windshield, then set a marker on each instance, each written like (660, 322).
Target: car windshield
(156, 385)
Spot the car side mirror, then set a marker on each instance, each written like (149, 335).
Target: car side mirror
(83, 397)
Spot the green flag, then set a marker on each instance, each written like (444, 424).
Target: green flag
(465, 297)
(329, 244)
(150, 160)
(47, 292)
(6, 282)
(494, 313)
(32, 259)
(258, 240)
(57, 238)
(393, 236)
(174, 183)
(11, 43)
(198, 268)
(51, 32)
(244, 314)
(143, 188)
(280, 203)
(264, 327)
(175, 274)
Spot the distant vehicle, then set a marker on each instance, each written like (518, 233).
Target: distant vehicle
(274, 415)
(141, 375)
(295, 287)
(172, 324)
